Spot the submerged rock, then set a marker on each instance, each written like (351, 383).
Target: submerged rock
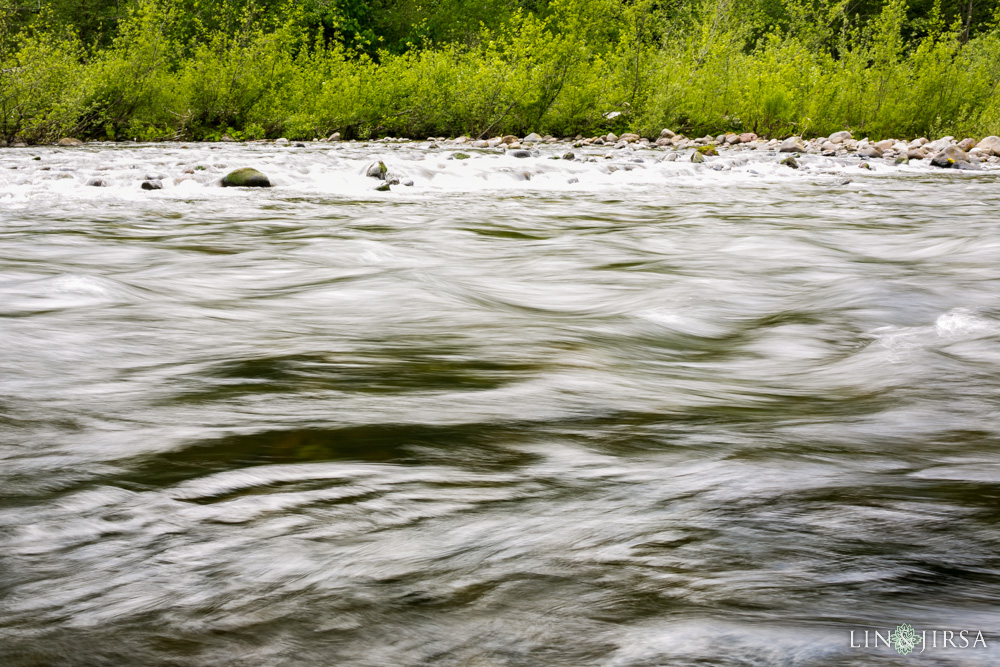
(461, 156)
(521, 153)
(152, 185)
(97, 182)
(790, 162)
(568, 156)
(246, 178)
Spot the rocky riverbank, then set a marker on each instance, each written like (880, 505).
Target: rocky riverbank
(370, 168)
(943, 152)
(948, 152)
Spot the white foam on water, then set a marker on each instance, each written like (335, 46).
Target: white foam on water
(340, 171)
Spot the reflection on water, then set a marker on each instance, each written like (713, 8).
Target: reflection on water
(665, 415)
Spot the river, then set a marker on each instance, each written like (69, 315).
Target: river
(527, 412)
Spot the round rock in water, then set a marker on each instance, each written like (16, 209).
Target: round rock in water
(521, 153)
(245, 178)
(152, 185)
(97, 182)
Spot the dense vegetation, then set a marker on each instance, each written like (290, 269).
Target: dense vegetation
(198, 69)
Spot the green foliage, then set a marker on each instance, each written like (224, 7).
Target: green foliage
(198, 69)
(39, 86)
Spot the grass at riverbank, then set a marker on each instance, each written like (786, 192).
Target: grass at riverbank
(581, 66)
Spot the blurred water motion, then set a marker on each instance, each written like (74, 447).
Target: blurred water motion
(664, 416)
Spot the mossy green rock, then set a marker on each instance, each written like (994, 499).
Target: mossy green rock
(461, 156)
(790, 162)
(377, 170)
(245, 178)
(707, 150)
(697, 157)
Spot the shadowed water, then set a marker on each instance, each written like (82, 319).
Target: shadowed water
(667, 414)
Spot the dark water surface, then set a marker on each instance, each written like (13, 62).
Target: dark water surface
(663, 416)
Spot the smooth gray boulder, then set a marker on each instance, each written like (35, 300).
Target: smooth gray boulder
(950, 157)
(990, 145)
(840, 137)
(792, 145)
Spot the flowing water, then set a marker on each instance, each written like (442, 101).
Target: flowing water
(526, 412)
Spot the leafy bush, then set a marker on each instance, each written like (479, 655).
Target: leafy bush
(198, 70)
